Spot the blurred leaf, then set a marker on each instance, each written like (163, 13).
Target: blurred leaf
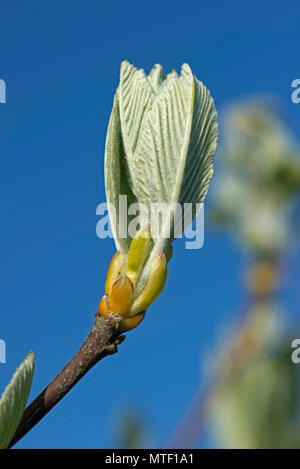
(131, 431)
(259, 408)
(287, 179)
(258, 179)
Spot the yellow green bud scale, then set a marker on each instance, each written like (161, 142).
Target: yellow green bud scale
(138, 252)
(119, 300)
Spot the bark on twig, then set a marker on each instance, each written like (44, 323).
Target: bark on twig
(101, 342)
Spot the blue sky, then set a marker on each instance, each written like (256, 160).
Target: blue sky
(60, 61)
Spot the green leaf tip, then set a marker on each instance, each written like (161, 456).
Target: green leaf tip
(14, 399)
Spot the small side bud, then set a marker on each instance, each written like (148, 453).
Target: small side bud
(103, 308)
(153, 287)
(131, 323)
(121, 296)
(138, 253)
(114, 271)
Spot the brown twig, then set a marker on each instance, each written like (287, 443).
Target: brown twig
(101, 342)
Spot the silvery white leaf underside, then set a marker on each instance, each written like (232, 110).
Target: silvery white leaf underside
(160, 143)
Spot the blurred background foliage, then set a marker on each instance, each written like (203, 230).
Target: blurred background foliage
(256, 194)
(130, 429)
(251, 397)
(257, 179)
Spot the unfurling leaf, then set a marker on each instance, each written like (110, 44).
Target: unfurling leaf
(160, 145)
(13, 400)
